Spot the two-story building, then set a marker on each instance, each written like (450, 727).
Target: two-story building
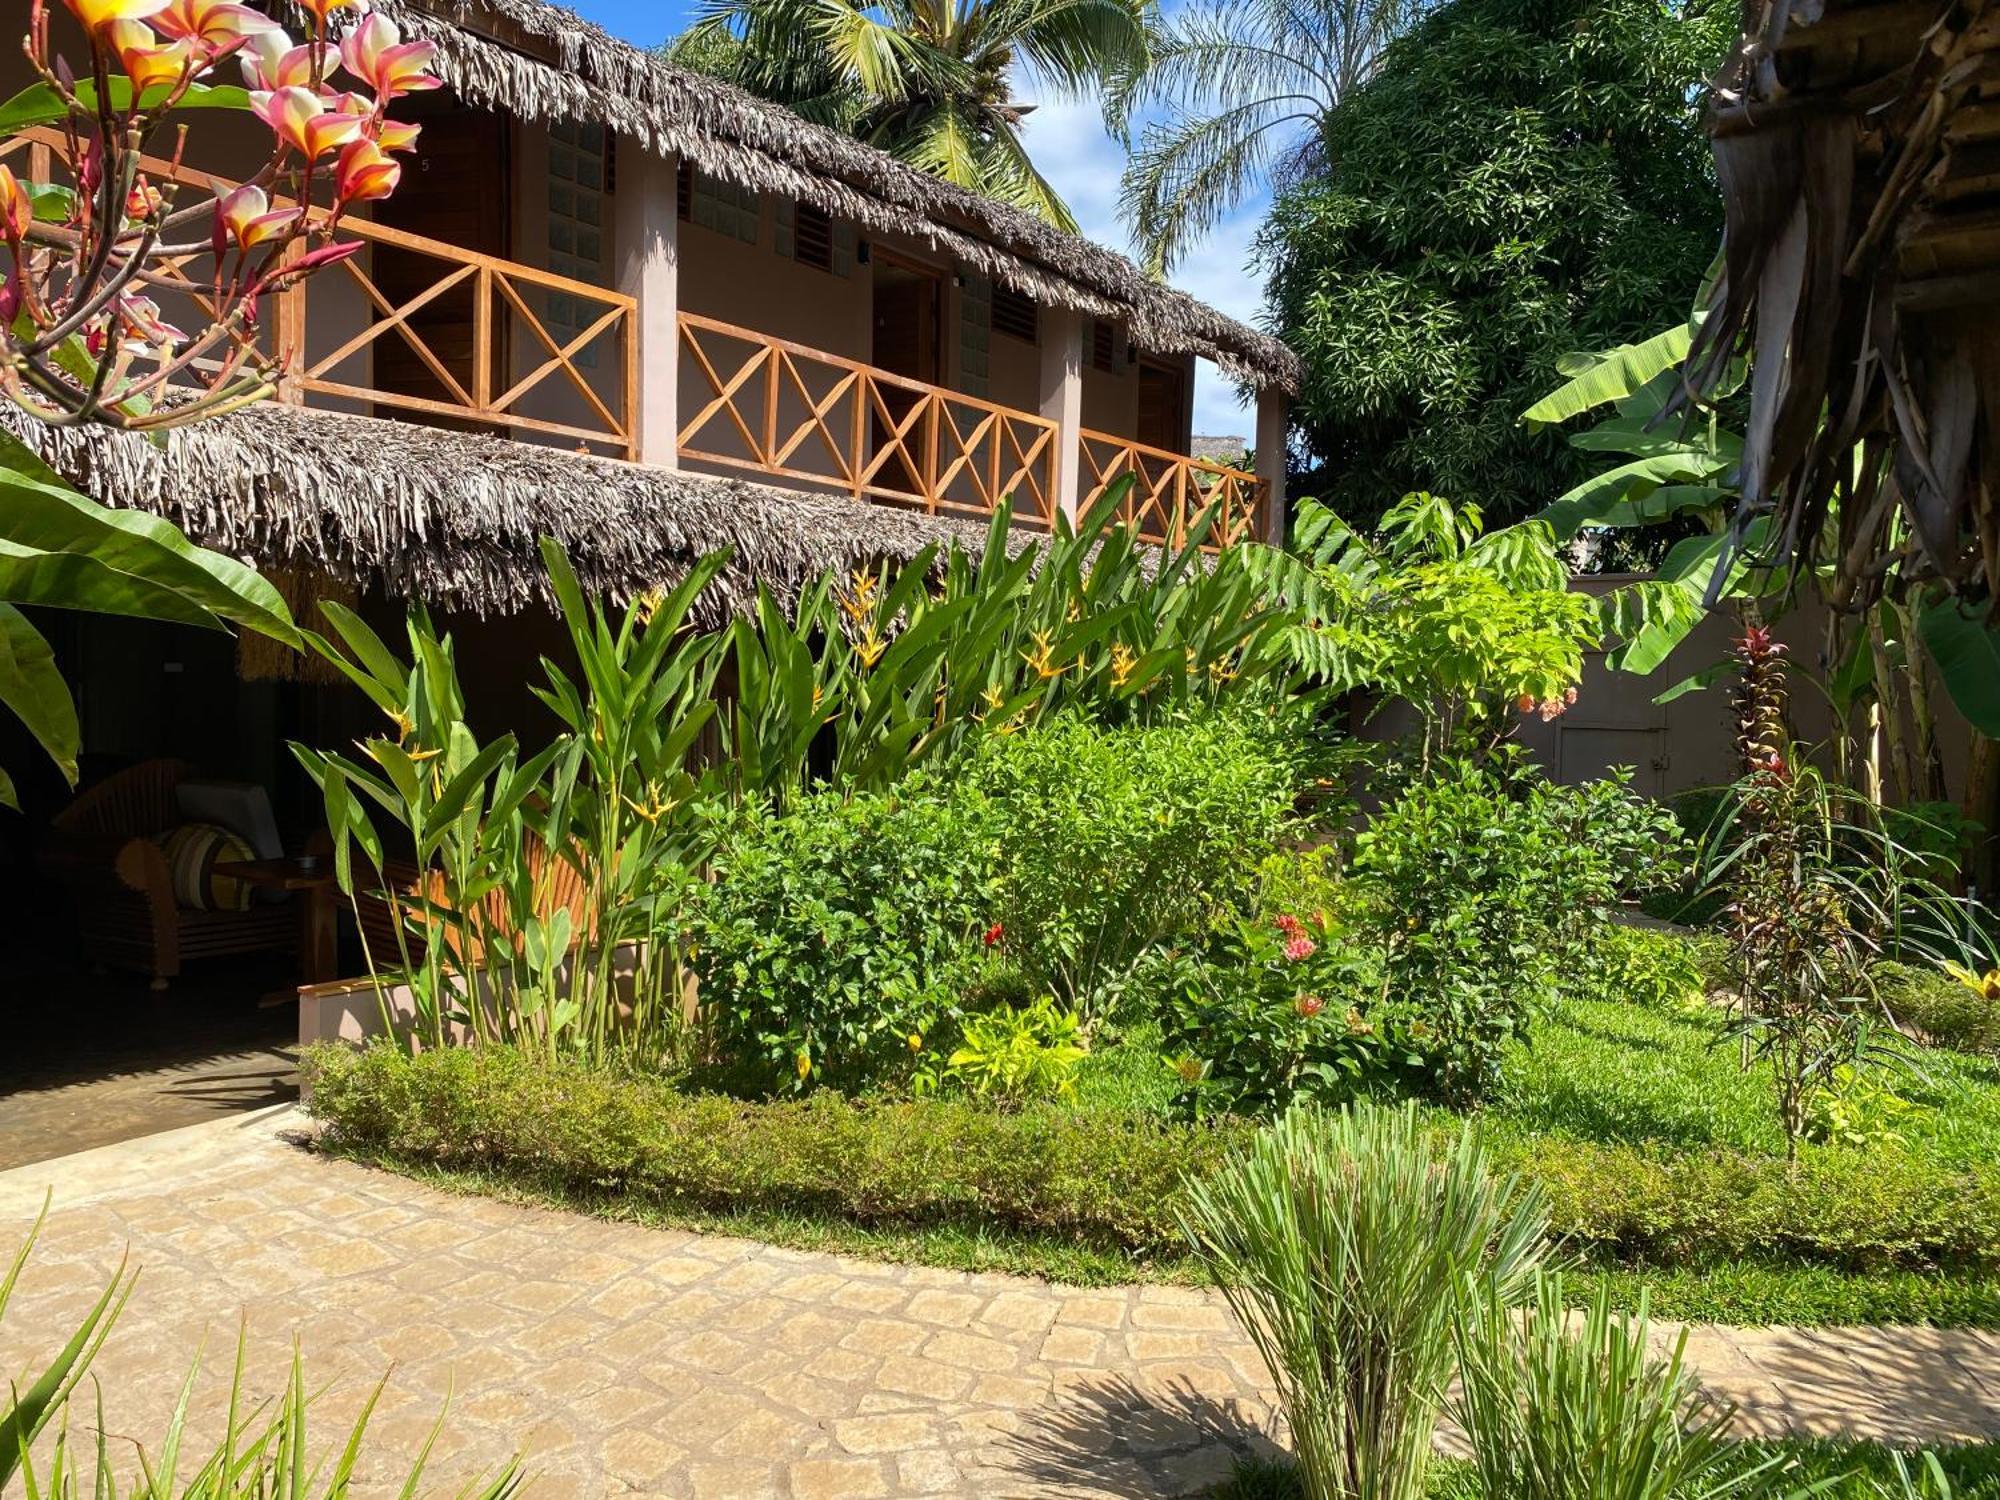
(650, 283)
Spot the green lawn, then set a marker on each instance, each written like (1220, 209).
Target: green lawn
(1619, 1074)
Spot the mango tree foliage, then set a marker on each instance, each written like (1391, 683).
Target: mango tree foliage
(1516, 179)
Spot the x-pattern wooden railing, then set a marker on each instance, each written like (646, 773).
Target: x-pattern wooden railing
(498, 299)
(1171, 490)
(770, 406)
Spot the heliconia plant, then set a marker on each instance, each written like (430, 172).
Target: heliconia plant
(85, 339)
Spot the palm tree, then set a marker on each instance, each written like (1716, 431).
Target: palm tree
(1246, 87)
(929, 81)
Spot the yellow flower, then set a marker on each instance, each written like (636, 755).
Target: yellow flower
(1123, 659)
(1986, 985)
(870, 648)
(916, 1041)
(1042, 657)
(803, 1064)
(992, 697)
(857, 602)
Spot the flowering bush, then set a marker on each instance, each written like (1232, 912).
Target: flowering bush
(837, 939)
(1274, 1009)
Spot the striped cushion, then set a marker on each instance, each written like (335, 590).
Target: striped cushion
(193, 850)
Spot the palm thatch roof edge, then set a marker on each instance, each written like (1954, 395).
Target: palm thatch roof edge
(454, 518)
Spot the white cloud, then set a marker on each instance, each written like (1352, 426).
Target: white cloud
(1069, 143)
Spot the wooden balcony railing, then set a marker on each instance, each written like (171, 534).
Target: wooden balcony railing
(773, 407)
(447, 334)
(1171, 490)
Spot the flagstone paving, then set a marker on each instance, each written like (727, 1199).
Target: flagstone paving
(624, 1360)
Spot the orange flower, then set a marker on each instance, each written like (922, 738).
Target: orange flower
(398, 135)
(365, 173)
(376, 53)
(300, 119)
(17, 209)
(98, 14)
(148, 62)
(246, 214)
(321, 9)
(213, 25)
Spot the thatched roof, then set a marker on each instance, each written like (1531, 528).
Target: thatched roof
(542, 62)
(1858, 147)
(454, 518)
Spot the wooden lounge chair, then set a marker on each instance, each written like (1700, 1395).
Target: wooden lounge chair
(105, 848)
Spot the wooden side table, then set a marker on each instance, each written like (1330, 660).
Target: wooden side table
(313, 884)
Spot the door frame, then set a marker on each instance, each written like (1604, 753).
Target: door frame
(938, 277)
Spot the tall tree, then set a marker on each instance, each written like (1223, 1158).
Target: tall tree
(1245, 89)
(930, 81)
(1517, 180)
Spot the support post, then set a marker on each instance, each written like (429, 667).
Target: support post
(1062, 401)
(1274, 413)
(646, 230)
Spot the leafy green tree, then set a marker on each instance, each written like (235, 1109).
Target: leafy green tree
(929, 82)
(1246, 91)
(1518, 179)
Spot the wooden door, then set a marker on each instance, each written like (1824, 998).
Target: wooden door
(1162, 406)
(456, 188)
(909, 315)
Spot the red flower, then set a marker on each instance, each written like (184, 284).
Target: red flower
(1300, 947)
(1287, 924)
(994, 934)
(1309, 1006)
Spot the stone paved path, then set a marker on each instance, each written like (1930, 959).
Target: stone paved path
(632, 1361)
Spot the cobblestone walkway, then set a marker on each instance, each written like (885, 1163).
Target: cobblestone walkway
(623, 1360)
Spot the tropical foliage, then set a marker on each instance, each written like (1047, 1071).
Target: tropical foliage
(1519, 178)
(933, 84)
(1244, 95)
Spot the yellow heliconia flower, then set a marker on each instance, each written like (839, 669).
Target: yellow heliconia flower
(420, 756)
(992, 697)
(1042, 657)
(1123, 659)
(870, 648)
(1986, 985)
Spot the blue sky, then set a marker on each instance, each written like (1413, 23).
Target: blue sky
(1069, 144)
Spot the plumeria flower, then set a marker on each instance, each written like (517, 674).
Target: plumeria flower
(144, 201)
(247, 216)
(376, 53)
(147, 61)
(141, 320)
(17, 209)
(365, 172)
(98, 14)
(401, 135)
(270, 62)
(300, 118)
(321, 9)
(215, 26)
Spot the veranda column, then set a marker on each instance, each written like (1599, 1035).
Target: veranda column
(646, 227)
(1274, 412)
(1062, 399)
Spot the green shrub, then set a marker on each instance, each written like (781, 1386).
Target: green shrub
(1346, 1244)
(1949, 1012)
(1485, 893)
(838, 936)
(1101, 1179)
(1108, 1177)
(1658, 969)
(1112, 839)
(1560, 1408)
(1856, 1210)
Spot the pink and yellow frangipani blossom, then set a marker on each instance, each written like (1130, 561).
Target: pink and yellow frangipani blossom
(215, 26)
(366, 172)
(269, 62)
(247, 216)
(141, 321)
(17, 209)
(376, 53)
(300, 118)
(98, 14)
(147, 61)
(398, 135)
